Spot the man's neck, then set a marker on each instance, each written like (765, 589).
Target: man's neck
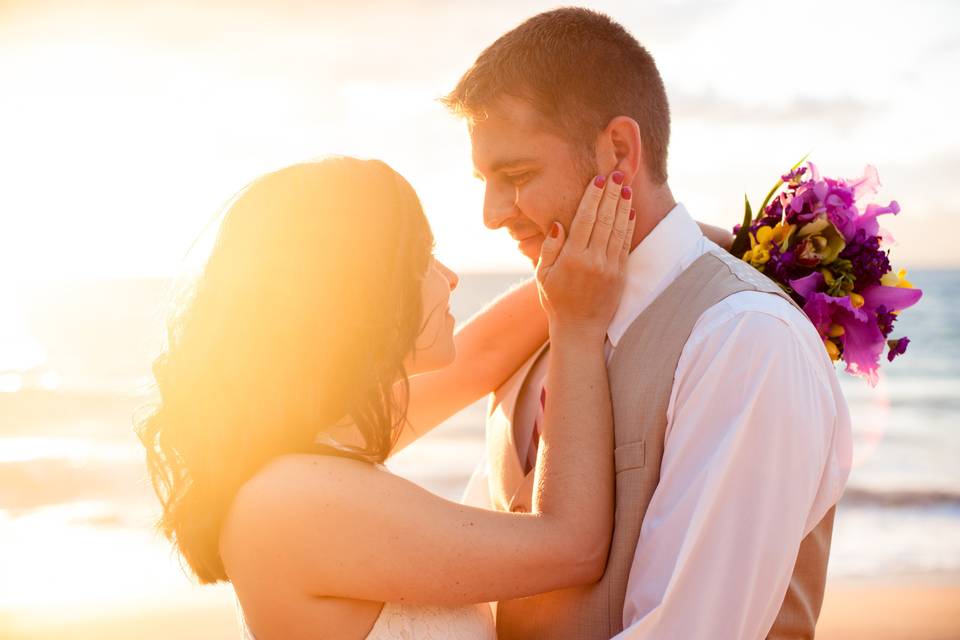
(652, 205)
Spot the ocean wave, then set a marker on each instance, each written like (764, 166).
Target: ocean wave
(900, 498)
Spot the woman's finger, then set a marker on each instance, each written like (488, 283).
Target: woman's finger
(582, 225)
(620, 221)
(606, 213)
(628, 238)
(550, 249)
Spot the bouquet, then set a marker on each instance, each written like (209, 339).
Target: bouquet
(830, 256)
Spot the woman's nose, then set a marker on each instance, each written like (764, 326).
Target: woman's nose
(452, 278)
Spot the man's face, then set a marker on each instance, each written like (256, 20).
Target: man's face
(532, 176)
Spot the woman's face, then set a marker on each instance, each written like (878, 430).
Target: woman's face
(434, 347)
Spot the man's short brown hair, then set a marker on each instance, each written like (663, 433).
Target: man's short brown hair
(579, 69)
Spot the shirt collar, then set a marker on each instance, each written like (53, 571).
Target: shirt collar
(652, 265)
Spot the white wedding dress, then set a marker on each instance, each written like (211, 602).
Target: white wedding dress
(421, 622)
(415, 622)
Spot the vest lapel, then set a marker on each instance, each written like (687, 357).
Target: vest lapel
(506, 477)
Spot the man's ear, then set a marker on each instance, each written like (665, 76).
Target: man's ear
(622, 141)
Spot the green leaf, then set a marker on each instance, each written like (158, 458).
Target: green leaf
(766, 201)
(742, 240)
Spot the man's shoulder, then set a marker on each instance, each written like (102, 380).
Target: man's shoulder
(740, 269)
(758, 306)
(758, 319)
(759, 309)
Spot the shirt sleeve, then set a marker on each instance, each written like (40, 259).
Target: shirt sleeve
(749, 432)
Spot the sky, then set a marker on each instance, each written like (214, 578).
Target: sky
(125, 126)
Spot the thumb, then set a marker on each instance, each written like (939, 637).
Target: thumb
(551, 246)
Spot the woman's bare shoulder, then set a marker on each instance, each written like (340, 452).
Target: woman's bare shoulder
(288, 491)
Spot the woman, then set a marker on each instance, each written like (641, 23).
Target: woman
(284, 387)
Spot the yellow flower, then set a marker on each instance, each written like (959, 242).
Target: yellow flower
(763, 240)
(758, 256)
(767, 236)
(764, 235)
(898, 279)
(832, 349)
(782, 233)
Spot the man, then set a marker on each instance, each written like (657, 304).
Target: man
(733, 438)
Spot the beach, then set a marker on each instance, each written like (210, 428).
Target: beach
(909, 609)
(917, 608)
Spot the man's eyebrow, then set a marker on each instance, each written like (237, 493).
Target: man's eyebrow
(501, 165)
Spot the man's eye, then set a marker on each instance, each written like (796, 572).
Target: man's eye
(520, 178)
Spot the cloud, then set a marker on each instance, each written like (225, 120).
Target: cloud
(842, 111)
(945, 46)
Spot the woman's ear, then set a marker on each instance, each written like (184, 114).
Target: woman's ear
(623, 134)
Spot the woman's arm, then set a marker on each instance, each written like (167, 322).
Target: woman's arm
(723, 237)
(490, 346)
(343, 528)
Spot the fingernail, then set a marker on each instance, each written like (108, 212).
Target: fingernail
(633, 213)
(555, 230)
(617, 177)
(626, 192)
(600, 181)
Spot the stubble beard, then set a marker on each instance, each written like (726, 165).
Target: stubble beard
(585, 166)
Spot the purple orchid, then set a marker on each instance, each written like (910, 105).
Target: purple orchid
(894, 298)
(862, 319)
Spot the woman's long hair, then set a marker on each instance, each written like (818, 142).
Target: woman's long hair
(304, 313)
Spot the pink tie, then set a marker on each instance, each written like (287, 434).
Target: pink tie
(535, 436)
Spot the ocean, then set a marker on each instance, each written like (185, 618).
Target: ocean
(76, 509)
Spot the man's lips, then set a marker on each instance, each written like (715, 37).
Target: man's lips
(523, 237)
(527, 239)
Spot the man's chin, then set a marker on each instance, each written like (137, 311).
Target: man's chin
(531, 248)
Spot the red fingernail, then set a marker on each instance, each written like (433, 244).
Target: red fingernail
(600, 181)
(555, 230)
(633, 213)
(617, 177)
(626, 192)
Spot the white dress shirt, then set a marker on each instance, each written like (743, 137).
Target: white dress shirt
(757, 450)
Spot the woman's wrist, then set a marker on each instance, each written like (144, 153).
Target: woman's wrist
(576, 334)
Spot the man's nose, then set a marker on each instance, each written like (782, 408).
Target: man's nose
(498, 206)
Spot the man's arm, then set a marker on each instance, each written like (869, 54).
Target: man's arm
(749, 435)
(720, 236)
